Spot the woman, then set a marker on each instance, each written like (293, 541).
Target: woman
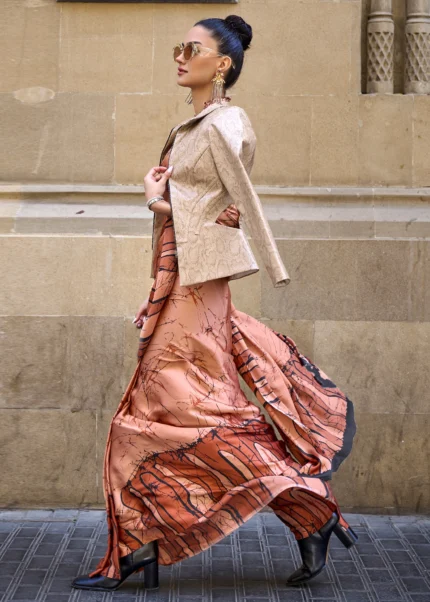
(188, 458)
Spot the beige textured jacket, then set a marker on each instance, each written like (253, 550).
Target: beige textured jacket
(212, 155)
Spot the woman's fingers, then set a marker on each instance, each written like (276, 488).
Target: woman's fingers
(156, 172)
(141, 312)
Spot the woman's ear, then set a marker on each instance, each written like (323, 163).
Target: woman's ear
(225, 64)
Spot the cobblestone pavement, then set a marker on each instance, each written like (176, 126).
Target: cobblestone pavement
(42, 551)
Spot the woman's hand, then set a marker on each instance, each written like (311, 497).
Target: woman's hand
(141, 312)
(155, 181)
(155, 184)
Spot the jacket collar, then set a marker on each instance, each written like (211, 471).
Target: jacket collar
(202, 113)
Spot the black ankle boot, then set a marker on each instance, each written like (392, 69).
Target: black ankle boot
(314, 552)
(146, 556)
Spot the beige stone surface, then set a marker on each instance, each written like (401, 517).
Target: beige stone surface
(387, 471)
(73, 275)
(61, 362)
(381, 366)
(356, 39)
(295, 59)
(421, 140)
(402, 217)
(283, 130)
(301, 331)
(420, 293)
(104, 419)
(48, 458)
(347, 280)
(334, 146)
(8, 213)
(141, 130)
(29, 44)
(385, 139)
(68, 138)
(88, 95)
(131, 346)
(106, 48)
(246, 293)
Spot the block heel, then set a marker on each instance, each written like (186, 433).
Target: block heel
(347, 536)
(145, 557)
(150, 575)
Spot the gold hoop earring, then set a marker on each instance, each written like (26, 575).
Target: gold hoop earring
(218, 87)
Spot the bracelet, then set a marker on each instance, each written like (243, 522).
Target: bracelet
(154, 200)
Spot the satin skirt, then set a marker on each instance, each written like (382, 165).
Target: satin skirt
(188, 457)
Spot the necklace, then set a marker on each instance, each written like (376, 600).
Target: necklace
(223, 100)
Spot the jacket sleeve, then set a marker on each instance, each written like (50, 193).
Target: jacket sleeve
(232, 143)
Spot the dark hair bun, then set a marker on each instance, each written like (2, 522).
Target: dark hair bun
(241, 29)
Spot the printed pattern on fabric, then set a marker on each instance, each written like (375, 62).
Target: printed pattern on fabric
(188, 457)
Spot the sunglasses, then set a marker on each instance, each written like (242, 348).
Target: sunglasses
(191, 49)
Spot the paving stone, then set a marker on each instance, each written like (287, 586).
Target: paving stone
(416, 585)
(191, 572)
(83, 532)
(52, 538)
(359, 597)
(425, 561)
(33, 578)
(40, 562)
(280, 552)
(8, 568)
(373, 561)
(392, 544)
(61, 586)
(388, 592)
(57, 527)
(252, 558)
(222, 595)
(29, 531)
(14, 555)
(351, 582)
(379, 575)
(87, 596)
(422, 550)
(189, 587)
(25, 593)
(340, 554)
(256, 589)
(250, 546)
(293, 595)
(366, 548)
(416, 538)
(277, 540)
(408, 569)
(47, 549)
(20, 543)
(322, 590)
(399, 556)
(247, 534)
(345, 568)
(391, 563)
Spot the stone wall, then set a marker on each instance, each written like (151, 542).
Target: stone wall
(88, 95)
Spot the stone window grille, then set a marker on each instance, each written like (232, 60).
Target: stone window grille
(416, 47)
